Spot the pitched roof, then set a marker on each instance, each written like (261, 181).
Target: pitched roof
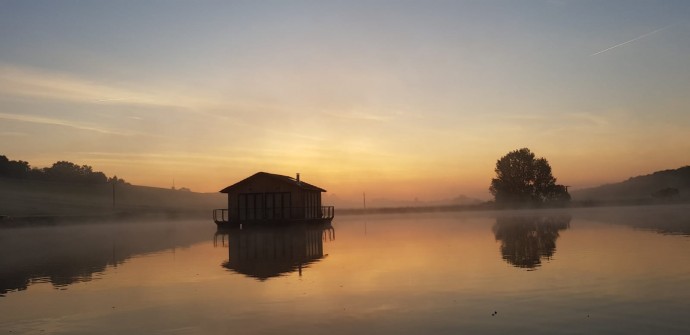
(281, 178)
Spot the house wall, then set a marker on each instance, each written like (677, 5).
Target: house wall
(299, 198)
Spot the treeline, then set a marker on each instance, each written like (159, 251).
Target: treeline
(62, 171)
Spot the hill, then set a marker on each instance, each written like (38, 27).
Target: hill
(661, 185)
(25, 197)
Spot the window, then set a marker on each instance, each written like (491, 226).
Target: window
(251, 206)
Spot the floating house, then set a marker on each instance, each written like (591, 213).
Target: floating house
(272, 198)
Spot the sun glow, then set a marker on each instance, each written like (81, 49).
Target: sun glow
(417, 105)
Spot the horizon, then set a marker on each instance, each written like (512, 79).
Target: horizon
(400, 101)
(377, 201)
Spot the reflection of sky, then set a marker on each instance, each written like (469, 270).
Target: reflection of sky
(403, 96)
(388, 274)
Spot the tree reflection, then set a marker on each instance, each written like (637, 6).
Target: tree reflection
(66, 254)
(526, 240)
(268, 252)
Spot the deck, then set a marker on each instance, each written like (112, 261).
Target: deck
(322, 214)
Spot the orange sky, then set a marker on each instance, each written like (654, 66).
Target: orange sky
(400, 101)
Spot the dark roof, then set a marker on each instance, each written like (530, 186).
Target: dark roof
(281, 178)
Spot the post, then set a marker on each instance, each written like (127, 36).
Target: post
(113, 180)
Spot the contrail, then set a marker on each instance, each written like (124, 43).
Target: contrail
(630, 41)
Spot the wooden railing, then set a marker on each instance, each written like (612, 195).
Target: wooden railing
(327, 212)
(221, 215)
(283, 213)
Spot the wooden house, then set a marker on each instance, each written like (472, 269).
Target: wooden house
(266, 197)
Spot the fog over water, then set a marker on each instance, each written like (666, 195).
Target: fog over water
(595, 270)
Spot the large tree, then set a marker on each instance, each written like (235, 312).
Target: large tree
(521, 178)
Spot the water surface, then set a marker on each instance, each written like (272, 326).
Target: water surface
(615, 270)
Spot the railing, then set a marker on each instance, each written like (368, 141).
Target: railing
(327, 212)
(275, 213)
(221, 215)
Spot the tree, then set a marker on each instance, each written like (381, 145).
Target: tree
(69, 172)
(116, 180)
(62, 171)
(13, 169)
(521, 178)
(4, 165)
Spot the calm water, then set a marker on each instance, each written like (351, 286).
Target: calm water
(612, 271)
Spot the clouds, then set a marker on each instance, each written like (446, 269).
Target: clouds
(33, 83)
(39, 84)
(360, 116)
(60, 122)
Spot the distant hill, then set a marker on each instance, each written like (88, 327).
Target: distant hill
(661, 185)
(25, 197)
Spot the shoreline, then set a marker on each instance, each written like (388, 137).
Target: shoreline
(7, 221)
(11, 221)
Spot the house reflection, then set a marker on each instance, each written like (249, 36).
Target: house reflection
(527, 240)
(268, 252)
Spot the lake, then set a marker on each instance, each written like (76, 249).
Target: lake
(623, 270)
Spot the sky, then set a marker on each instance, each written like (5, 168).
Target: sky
(399, 99)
